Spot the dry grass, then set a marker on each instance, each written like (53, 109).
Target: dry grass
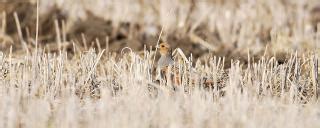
(77, 86)
(223, 27)
(49, 90)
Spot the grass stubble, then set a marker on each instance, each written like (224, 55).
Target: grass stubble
(99, 90)
(96, 88)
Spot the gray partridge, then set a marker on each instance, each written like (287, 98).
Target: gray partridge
(169, 72)
(166, 64)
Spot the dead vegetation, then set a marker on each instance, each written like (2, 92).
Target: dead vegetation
(240, 64)
(114, 89)
(225, 28)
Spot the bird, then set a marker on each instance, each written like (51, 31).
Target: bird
(166, 58)
(166, 64)
(170, 73)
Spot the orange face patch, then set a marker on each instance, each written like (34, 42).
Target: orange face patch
(164, 48)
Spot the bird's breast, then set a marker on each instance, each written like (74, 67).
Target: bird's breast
(165, 61)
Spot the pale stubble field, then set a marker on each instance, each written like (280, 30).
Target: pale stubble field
(84, 86)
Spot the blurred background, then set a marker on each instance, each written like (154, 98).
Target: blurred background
(229, 28)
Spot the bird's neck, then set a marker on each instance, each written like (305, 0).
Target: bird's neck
(166, 54)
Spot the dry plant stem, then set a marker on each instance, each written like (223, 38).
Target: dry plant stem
(107, 44)
(315, 76)
(64, 33)
(84, 41)
(95, 65)
(18, 26)
(180, 52)
(37, 26)
(154, 57)
(98, 44)
(58, 35)
(23, 43)
(10, 64)
(196, 39)
(74, 47)
(3, 23)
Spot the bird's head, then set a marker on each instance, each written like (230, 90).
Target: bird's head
(164, 49)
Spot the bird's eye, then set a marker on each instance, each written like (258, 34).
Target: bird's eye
(162, 46)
